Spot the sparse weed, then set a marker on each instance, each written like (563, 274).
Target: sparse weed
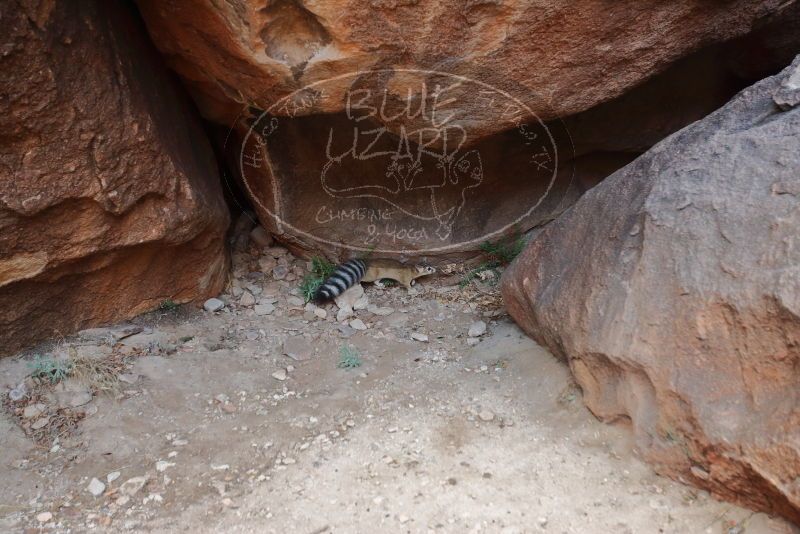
(168, 306)
(309, 286)
(100, 374)
(348, 358)
(504, 252)
(321, 269)
(498, 254)
(52, 369)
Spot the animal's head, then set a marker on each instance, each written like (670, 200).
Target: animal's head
(424, 270)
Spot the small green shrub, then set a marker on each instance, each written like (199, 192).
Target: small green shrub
(168, 306)
(52, 369)
(348, 358)
(504, 252)
(321, 269)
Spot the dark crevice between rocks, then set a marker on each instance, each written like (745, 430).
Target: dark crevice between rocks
(235, 199)
(685, 92)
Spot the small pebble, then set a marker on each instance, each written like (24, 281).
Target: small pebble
(96, 487)
(477, 329)
(163, 465)
(486, 415)
(280, 374)
(279, 272)
(264, 309)
(419, 337)
(44, 517)
(213, 305)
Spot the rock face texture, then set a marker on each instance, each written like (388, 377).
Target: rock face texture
(673, 291)
(240, 52)
(110, 200)
(439, 163)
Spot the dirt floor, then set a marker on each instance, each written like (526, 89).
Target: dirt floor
(241, 420)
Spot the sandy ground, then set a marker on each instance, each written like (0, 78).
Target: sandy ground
(446, 435)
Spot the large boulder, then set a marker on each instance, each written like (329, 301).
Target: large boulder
(673, 291)
(110, 200)
(332, 75)
(571, 55)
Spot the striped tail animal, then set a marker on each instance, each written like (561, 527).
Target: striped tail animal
(344, 276)
(352, 272)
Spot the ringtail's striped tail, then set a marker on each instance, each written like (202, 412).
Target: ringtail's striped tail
(345, 276)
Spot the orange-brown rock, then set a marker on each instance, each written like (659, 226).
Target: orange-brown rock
(310, 63)
(569, 55)
(110, 200)
(673, 291)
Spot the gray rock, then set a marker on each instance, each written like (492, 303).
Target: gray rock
(787, 95)
(419, 337)
(477, 329)
(348, 299)
(672, 289)
(247, 299)
(486, 415)
(295, 302)
(132, 486)
(345, 331)
(357, 324)
(96, 487)
(18, 393)
(279, 272)
(34, 410)
(213, 305)
(40, 423)
(251, 335)
(280, 374)
(377, 310)
(263, 309)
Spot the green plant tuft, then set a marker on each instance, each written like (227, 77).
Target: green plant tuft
(54, 370)
(321, 269)
(503, 252)
(348, 358)
(168, 306)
